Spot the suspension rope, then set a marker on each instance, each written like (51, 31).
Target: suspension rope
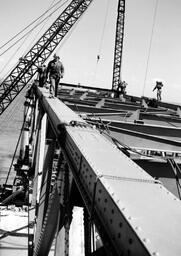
(150, 45)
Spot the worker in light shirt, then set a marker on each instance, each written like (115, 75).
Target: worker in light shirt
(55, 71)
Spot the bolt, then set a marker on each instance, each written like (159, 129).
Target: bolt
(145, 240)
(156, 254)
(138, 228)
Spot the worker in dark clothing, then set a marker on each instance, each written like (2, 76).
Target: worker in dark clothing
(55, 70)
(158, 86)
(42, 77)
(121, 89)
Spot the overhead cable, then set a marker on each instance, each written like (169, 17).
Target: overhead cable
(150, 45)
(32, 29)
(2, 46)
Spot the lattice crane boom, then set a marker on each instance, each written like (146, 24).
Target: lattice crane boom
(39, 53)
(118, 49)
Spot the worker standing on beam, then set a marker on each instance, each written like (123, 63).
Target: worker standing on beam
(158, 86)
(121, 90)
(42, 75)
(55, 70)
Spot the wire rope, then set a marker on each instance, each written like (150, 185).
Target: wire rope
(150, 45)
(2, 46)
(104, 27)
(101, 41)
(35, 37)
(70, 32)
(13, 55)
(31, 30)
(120, 145)
(27, 36)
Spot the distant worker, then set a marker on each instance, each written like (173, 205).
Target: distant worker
(42, 77)
(121, 89)
(158, 86)
(55, 70)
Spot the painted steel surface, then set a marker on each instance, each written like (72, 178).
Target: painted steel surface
(141, 216)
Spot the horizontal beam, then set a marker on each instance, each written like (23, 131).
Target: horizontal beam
(138, 214)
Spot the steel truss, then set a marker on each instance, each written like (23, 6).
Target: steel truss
(39, 53)
(90, 171)
(118, 50)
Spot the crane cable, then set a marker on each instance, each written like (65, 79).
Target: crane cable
(32, 29)
(2, 46)
(70, 32)
(26, 37)
(150, 45)
(104, 27)
(101, 39)
(12, 56)
(35, 37)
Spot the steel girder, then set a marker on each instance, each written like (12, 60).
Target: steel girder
(39, 53)
(137, 214)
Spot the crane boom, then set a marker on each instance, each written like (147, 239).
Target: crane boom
(39, 53)
(118, 44)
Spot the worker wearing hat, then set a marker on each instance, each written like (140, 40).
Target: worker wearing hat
(55, 71)
(158, 86)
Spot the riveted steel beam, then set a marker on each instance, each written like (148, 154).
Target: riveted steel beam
(129, 207)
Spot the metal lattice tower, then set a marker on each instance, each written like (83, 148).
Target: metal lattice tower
(39, 53)
(118, 44)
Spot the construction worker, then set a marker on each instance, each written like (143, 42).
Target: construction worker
(42, 77)
(121, 89)
(55, 70)
(158, 86)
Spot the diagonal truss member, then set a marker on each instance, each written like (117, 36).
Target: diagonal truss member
(39, 53)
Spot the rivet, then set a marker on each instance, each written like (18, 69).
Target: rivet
(120, 224)
(145, 240)
(119, 235)
(156, 254)
(130, 241)
(138, 228)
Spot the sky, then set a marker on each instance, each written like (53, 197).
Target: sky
(151, 47)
